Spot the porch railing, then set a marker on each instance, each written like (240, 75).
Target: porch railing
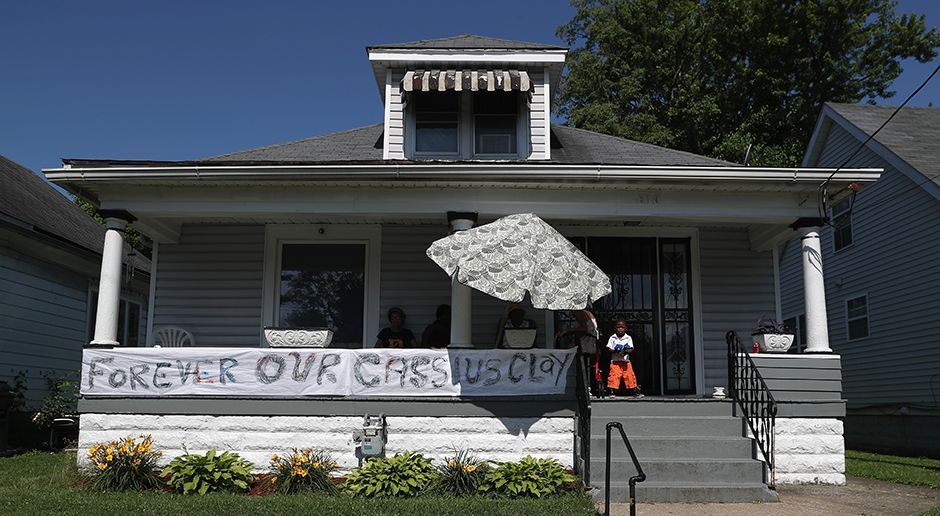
(639, 477)
(584, 417)
(750, 391)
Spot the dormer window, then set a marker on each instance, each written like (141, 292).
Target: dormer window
(495, 122)
(437, 123)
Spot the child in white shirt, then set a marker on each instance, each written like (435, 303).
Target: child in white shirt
(621, 370)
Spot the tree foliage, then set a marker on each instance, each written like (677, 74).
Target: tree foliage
(712, 77)
(131, 235)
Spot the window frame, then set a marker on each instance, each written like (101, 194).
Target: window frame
(838, 226)
(276, 235)
(413, 129)
(849, 320)
(799, 337)
(466, 132)
(473, 130)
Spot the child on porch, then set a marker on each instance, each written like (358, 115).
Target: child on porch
(621, 370)
(396, 335)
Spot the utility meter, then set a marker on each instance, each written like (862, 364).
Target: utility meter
(372, 437)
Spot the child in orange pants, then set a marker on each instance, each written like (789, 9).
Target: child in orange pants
(621, 370)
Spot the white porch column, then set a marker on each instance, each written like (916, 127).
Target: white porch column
(109, 285)
(814, 293)
(461, 334)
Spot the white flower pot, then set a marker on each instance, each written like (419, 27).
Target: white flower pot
(298, 337)
(773, 342)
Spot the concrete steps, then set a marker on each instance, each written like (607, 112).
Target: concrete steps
(691, 451)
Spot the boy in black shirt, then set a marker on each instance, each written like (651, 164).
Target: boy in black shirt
(396, 336)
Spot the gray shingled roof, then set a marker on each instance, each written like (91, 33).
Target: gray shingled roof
(360, 144)
(579, 146)
(570, 146)
(467, 41)
(912, 135)
(36, 205)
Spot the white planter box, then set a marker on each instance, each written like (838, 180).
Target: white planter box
(773, 342)
(298, 337)
(520, 338)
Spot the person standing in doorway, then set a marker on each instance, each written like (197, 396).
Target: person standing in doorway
(621, 373)
(586, 333)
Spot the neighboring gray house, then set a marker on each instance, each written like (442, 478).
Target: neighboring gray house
(50, 259)
(882, 275)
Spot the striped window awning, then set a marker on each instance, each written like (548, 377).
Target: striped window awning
(466, 80)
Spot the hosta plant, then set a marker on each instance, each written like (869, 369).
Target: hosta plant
(461, 475)
(125, 464)
(193, 473)
(405, 474)
(529, 477)
(305, 470)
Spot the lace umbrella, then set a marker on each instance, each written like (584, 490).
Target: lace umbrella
(518, 254)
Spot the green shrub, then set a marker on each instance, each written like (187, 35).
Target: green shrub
(304, 471)
(61, 400)
(529, 477)
(461, 475)
(192, 473)
(405, 474)
(125, 464)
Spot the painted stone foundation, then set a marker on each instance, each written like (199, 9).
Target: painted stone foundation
(256, 438)
(810, 451)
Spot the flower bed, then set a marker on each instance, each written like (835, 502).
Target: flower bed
(127, 464)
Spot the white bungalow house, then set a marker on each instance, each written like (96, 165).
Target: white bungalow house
(332, 231)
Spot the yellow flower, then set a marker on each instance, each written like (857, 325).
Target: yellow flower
(102, 465)
(137, 462)
(274, 480)
(110, 450)
(316, 465)
(109, 458)
(471, 468)
(274, 457)
(303, 473)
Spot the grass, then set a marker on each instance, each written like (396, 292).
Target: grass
(39, 483)
(912, 471)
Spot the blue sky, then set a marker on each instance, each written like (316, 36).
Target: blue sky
(184, 79)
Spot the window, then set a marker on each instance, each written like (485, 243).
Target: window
(436, 123)
(856, 316)
(495, 115)
(796, 326)
(842, 222)
(128, 333)
(323, 276)
(323, 285)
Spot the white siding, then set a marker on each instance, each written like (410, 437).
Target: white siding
(395, 125)
(737, 289)
(210, 284)
(892, 259)
(537, 112)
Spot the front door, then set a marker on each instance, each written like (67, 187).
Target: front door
(650, 289)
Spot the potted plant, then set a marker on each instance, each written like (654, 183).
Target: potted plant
(771, 337)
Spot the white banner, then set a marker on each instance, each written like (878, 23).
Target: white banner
(253, 372)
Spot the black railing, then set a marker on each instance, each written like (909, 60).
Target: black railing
(584, 418)
(639, 477)
(749, 390)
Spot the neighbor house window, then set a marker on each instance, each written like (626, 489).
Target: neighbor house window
(128, 333)
(495, 116)
(323, 286)
(856, 315)
(323, 276)
(437, 116)
(842, 224)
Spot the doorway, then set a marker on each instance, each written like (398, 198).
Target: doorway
(651, 290)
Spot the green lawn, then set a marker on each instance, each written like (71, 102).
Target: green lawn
(38, 483)
(900, 470)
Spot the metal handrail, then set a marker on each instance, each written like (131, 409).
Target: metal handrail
(749, 390)
(639, 477)
(584, 417)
